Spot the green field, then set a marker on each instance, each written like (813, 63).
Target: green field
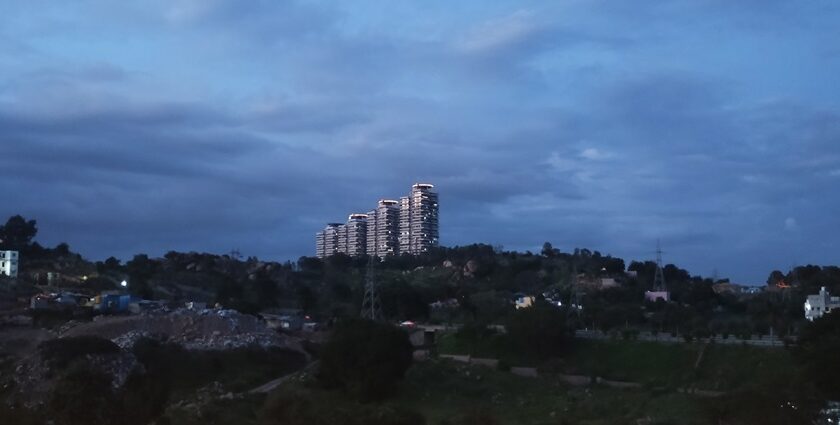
(721, 368)
(442, 390)
(445, 392)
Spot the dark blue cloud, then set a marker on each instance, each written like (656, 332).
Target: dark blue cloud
(212, 125)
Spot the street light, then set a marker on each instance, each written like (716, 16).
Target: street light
(123, 284)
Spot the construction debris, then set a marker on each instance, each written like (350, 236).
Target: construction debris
(207, 329)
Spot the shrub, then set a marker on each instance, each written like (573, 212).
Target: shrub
(83, 396)
(472, 417)
(59, 353)
(365, 358)
(819, 344)
(313, 407)
(19, 415)
(539, 330)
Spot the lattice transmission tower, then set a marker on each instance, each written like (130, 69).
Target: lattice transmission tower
(659, 277)
(371, 306)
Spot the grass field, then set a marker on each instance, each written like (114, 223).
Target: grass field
(721, 368)
(441, 390)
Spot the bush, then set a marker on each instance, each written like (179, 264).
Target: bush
(472, 417)
(19, 415)
(239, 369)
(59, 353)
(819, 344)
(539, 330)
(288, 407)
(365, 358)
(83, 396)
(312, 407)
(766, 404)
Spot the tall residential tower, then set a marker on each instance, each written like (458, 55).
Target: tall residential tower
(356, 234)
(407, 226)
(419, 220)
(383, 229)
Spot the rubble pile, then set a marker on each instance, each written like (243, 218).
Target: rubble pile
(206, 396)
(208, 329)
(33, 378)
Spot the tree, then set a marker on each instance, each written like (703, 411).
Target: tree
(540, 329)
(365, 358)
(548, 250)
(775, 277)
(140, 269)
(17, 233)
(817, 351)
(310, 264)
(62, 249)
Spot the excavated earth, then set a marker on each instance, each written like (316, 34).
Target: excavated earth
(210, 329)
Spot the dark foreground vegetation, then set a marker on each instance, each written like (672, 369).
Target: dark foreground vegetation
(364, 372)
(90, 380)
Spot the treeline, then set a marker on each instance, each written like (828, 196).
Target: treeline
(464, 284)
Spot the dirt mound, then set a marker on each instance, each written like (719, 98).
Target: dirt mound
(209, 329)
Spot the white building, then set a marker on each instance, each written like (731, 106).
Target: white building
(654, 296)
(9, 263)
(525, 301)
(817, 305)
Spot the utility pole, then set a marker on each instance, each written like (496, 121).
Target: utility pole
(371, 307)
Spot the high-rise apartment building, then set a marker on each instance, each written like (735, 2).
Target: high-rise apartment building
(341, 238)
(408, 226)
(419, 219)
(320, 251)
(356, 230)
(326, 241)
(383, 229)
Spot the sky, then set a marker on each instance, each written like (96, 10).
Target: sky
(212, 125)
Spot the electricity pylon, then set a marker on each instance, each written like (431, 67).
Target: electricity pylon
(371, 306)
(659, 277)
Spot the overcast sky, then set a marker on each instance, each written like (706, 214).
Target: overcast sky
(208, 125)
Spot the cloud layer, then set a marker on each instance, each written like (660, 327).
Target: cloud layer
(211, 125)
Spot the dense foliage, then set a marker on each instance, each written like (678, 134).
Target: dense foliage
(464, 284)
(819, 350)
(17, 233)
(61, 352)
(313, 407)
(365, 358)
(541, 329)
